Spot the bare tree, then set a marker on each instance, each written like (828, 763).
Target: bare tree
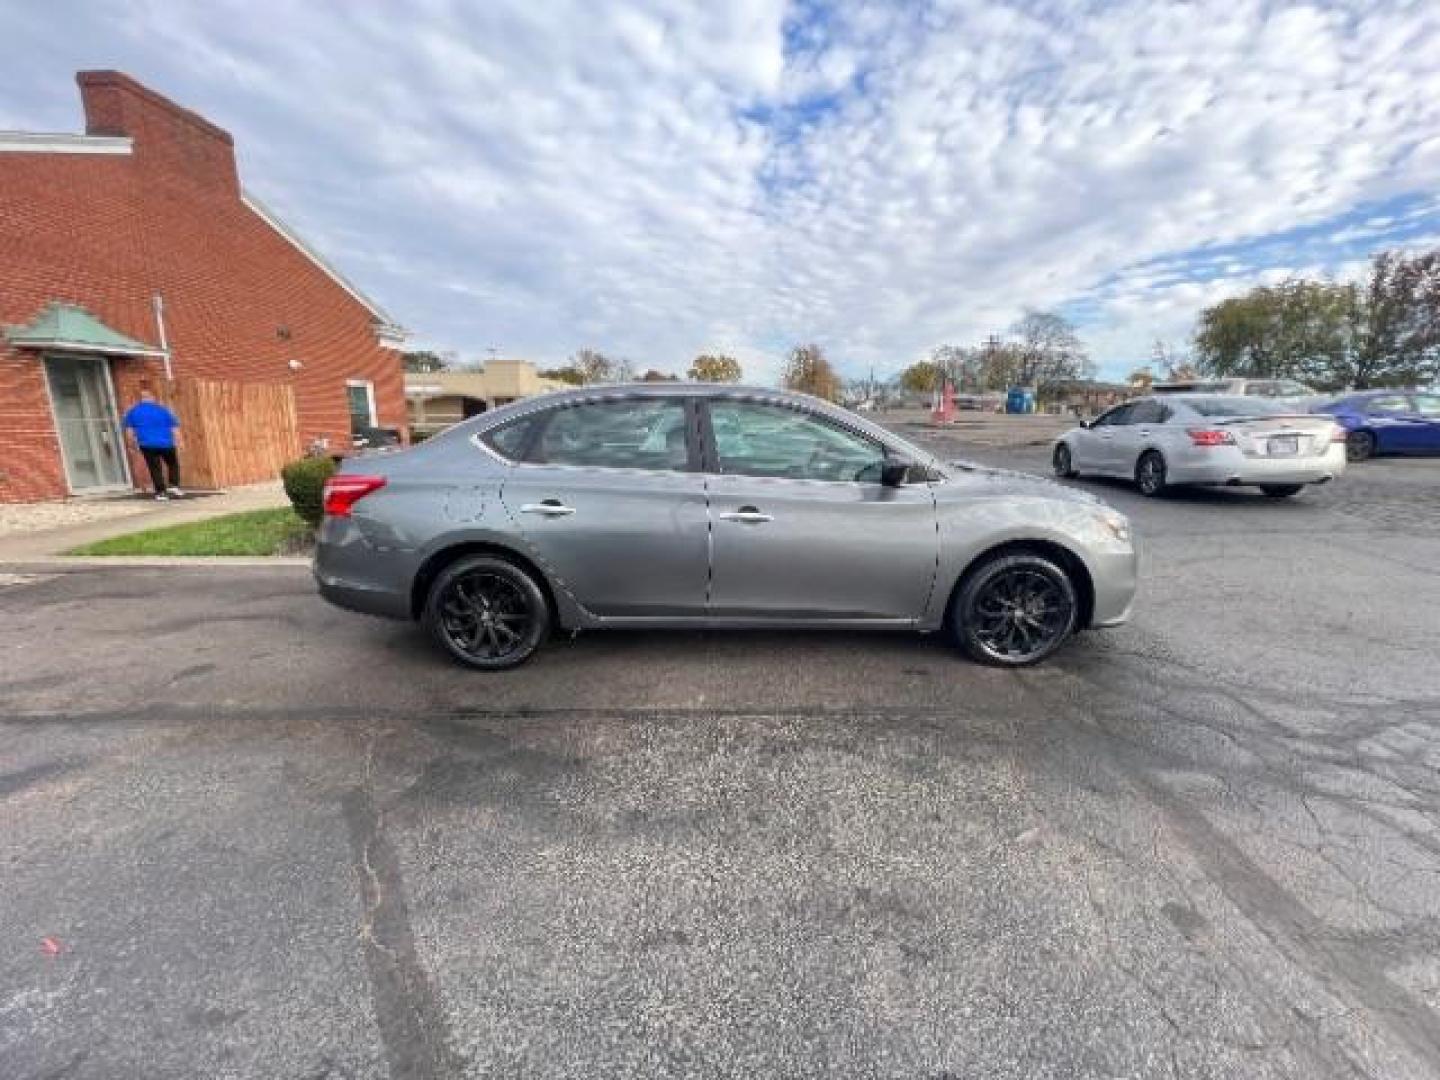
(808, 371)
(1048, 349)
(593, 366)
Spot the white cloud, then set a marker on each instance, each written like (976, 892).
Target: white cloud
(659, 177)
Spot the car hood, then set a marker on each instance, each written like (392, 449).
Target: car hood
(967, 480)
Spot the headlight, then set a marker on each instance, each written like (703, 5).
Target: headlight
(1116, 523)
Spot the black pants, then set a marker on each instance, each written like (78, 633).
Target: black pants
(155, 459)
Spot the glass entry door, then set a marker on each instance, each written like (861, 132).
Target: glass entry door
(85, 420)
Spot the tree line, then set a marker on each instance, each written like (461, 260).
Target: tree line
(1382, 331)
(1041, 349)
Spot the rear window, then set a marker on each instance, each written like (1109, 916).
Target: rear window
(1234, 405)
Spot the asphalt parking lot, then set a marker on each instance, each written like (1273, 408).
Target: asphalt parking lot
(245, 835)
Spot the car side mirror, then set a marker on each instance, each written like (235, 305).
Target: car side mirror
(895, 471)
(1087, 424)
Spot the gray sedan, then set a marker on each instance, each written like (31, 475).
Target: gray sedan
(1208, 439)
(696, 505)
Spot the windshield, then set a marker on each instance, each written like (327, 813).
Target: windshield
(1231, 405)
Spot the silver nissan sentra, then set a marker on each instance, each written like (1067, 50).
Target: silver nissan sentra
(711, 506)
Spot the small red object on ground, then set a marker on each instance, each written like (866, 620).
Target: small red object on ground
(944, 412)
(50, 946)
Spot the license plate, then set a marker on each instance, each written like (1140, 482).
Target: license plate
(1283, 445)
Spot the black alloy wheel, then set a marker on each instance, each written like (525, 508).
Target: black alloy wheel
(1359, 445)
(1064, 466)
(1015, 610)
(1150, 473)
(487, 613)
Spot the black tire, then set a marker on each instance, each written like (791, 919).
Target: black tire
(1150, 474)
(996, 616)
(1359, 446)
(1281, 491)
(487, 613)
(1063, 463)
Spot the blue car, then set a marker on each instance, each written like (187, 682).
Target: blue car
(1388, 422)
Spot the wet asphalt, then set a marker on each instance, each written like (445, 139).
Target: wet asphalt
(243, 834)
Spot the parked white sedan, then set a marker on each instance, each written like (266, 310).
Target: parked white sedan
(1211, 439)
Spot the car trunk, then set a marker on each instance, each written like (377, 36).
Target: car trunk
(1299, 435)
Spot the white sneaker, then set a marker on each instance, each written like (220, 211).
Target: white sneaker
(160, 496)
(176, 493)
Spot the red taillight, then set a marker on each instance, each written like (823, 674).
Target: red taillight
(1210, 437)
(344, 490)
(1339, 434)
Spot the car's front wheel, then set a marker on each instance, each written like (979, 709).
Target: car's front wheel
(1014, 610)
(487, 613)
(1063, 463)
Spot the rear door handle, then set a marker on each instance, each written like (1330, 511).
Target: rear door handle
(748, 515)
(550, 508)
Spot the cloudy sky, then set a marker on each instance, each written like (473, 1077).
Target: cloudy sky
(663, 177)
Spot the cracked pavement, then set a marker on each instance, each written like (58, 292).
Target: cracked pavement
(271, 839)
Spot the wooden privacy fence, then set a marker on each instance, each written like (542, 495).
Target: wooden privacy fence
(233, 432)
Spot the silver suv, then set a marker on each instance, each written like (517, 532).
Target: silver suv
(700, 505)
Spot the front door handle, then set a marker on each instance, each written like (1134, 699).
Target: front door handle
(1145, 432)
(550, 508)
(748, 515)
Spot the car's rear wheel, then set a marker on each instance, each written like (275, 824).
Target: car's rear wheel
(487, 613)
(1281, 491)
(1014, 610)
(1359, 445)
(1150, 473)
(1063, 463)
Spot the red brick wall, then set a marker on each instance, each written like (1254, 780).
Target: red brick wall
(109, 232)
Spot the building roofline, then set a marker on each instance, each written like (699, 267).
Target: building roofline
(387, 328)
(119, 79)
(45, 142)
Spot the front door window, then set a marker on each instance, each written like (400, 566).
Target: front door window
(86, 423)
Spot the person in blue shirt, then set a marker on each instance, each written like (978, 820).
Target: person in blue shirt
(153, 426)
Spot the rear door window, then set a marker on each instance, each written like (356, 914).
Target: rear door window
(1428, 405)
(630, 433)
(1146, 412)
(1388, 403)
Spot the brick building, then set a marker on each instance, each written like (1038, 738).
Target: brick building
(131, 256)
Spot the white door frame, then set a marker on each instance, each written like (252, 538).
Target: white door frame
(369, 386)
(127, 482)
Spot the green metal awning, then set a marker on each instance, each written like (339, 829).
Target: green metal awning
(68, 328)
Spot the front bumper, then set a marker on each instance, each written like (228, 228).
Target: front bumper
(1115, 577)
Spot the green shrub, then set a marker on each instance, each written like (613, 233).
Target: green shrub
(305, 484)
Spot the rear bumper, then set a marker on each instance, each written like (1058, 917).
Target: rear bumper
(1228, 465)
(363, 598)
(351, 574)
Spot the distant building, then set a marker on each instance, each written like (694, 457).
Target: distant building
(435, 401)
(1086, 397)
(131, 256)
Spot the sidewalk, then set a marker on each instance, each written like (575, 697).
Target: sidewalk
(24, 545)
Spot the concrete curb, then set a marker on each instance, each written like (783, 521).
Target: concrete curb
(52, 563)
